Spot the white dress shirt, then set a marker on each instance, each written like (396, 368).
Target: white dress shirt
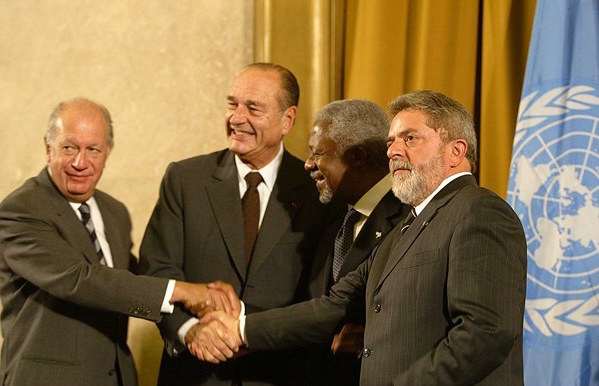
(96, 219)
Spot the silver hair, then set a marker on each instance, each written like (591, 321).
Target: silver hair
(443, 113)
(356, 122)
(61, 107)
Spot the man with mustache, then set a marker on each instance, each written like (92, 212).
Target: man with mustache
(443, 294)
(201, 228)
(348, 162)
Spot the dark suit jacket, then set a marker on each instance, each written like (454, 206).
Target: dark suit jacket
(196, 233)
(324, 368)
(443, 303)
(64, 316)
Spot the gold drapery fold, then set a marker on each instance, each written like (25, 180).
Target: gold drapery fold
(306, 37)
(472, 50)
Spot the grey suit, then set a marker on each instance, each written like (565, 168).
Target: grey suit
(325, 368)
(64, 316)
(196, 233)
(443, 303)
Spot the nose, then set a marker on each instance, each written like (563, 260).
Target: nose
(309, 165)
(238, 115)
(80, 161)
(396, 149)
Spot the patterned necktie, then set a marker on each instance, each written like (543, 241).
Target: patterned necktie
(406, 223)
(344, 240)
(89, 225)
(250, 204)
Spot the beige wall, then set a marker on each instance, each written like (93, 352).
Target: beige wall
(163, 70)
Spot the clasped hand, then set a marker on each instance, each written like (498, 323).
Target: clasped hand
(200, 299)
(216, 337)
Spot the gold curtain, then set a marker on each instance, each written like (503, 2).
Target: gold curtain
(472, 50)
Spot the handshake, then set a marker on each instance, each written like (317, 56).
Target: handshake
(216, 337)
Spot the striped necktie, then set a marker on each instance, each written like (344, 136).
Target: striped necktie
(344, 240)
(89, 225)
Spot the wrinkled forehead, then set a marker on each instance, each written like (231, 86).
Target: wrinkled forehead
(256, 84)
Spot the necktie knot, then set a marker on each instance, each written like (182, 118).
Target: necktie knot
(253, 179)
(409, 219)
(85, 213)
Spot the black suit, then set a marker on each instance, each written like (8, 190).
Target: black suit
(196, 232)
(326, 369)
(64, 316)
(444, 302)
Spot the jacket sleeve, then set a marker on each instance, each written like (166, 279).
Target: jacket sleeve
(38, 249)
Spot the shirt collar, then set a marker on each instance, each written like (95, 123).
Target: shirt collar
(268, 172)
(373, 196)
(93, 205)
(420, 207)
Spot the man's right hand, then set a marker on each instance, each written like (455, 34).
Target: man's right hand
(216, 338)
(200, 299)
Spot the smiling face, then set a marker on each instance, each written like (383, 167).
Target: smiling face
(255, 120)
(78, 151)
(418, 157)
(325, 165)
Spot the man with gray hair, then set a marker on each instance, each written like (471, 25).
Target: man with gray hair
(349, 165)
(65, 250)
(443, 294)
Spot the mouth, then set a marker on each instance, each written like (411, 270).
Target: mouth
(239, 133)
(78, 177)
(400, 167)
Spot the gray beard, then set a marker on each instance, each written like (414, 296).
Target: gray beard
(326, 196)
(420, 183)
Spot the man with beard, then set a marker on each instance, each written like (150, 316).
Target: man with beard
(348, 162)
(443, 294)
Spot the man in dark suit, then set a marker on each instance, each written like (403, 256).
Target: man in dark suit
(198, 229)
(443, 295)
(66, 291)
(348, 162)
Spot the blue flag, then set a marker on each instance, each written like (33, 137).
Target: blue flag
(554, 188)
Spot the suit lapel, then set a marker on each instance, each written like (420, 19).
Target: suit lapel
(112, 230)
(68, 220)
(385, 216)
(224, 198)
(421, 222)
(285, 200)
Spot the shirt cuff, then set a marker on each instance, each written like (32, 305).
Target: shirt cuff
(167, 307)
(185, 327)
(242, 324)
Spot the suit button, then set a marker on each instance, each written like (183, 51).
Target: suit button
(366, 352)
(377, 308)
(111, 372)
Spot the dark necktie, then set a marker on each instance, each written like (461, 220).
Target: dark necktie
(250, 204)
(344, 240)
(406, 223)
(89, 225)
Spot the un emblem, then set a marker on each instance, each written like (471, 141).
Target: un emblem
(554, 189)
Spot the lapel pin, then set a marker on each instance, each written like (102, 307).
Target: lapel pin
(378, 234)
(424, 224)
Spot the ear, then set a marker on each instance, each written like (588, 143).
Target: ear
(457, 152)
(289, 119)
(355, 156)
(48, 149)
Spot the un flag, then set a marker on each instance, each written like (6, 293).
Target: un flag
(554, 188)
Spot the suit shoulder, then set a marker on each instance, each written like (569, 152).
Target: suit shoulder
(200, 164)
(32, 194)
